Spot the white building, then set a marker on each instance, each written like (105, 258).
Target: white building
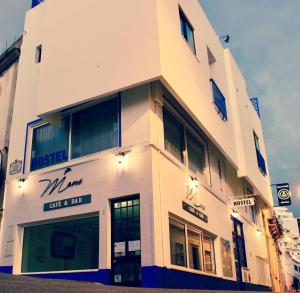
(135, 131)
(8, 78)
(289, 246)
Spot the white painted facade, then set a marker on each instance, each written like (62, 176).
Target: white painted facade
(289, 245)
(138, 54)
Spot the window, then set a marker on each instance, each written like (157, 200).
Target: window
(187, 30)
(219, 100)
(178, 139)
(95, 129)
(260, 159)
(92, 130)
(174, 136)
(61, 246)
(50, 145)
(191, 248)
(196, 154)
(256, 141)
(38, 54)
(296, 268)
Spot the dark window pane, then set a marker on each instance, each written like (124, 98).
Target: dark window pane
(50, 145)
(196, 154)
(208, 254)
(177, 243)
(174, 136)
(194, 250)
(95, 129)
(187, 30)
(69, 245)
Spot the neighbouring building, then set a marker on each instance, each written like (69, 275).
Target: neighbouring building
(8, 77)
(136, 132)
(289, 246)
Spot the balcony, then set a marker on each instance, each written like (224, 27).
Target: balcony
(219, 101)
(261, 163)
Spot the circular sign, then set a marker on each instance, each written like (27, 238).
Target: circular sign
(284, 194)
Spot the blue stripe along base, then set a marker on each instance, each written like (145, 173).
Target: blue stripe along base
(6, 269)
(158, 277)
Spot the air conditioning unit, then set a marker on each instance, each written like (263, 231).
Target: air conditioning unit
(246, 275)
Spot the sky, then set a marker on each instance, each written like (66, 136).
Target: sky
(265, 41)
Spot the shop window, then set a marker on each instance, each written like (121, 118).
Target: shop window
(187, 30)
(92, 130)
(174, 136)
(50, 145)
(178, 249)
(61, 246)
(95, 129)
(187, 241)
(194, 250)
(196, 154)
(208, 254)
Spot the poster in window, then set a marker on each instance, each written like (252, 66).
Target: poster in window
(226, 258)
(119, 249)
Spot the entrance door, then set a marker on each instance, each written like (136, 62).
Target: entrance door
(126, 241)
(239, 250)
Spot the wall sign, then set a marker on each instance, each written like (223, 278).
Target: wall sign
(190, 209)
(15, 167)
(60, 184)
(194, 196)
(284, 194)
(243, 202)
(67, 203)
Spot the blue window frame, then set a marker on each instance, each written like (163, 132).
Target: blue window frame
(219, 100)
(260, 159)
(89, 130)
(187, 30)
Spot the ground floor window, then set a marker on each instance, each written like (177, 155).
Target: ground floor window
(191, 248)
(61, 246)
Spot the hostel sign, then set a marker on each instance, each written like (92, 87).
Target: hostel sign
(284, 194)
(236, 203)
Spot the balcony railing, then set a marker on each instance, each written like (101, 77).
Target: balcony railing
(261, 163)
(36, 2)
(219, 100)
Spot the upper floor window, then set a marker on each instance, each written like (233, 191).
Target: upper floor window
(38, 54)
(183, 144)
(260, 159)
(91, 130)
(187, 30)
(219, 100)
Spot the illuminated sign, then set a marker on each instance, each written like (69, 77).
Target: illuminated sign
(284, 194)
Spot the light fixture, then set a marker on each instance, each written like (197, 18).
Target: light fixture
(258, 232)
(235, 213)
(21, 183)
(121, 157)
(194, 183)
(226, 38)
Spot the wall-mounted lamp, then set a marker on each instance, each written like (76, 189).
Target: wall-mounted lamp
(258, 232)
(226, 38)
(21, 183)
(122, 157)
(235, 213)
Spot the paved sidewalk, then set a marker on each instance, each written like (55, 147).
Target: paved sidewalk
(20, 284)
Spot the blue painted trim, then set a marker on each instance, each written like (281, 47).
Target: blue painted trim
(29, 124)
(159, 277)
(100, 276)
(6, 269)
(119, 100)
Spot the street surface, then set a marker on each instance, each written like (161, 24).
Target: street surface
(20, 284)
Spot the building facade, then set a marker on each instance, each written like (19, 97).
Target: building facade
(289, 246)
(8, 77)
(136, 132)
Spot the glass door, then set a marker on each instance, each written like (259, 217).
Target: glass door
(126, 241)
